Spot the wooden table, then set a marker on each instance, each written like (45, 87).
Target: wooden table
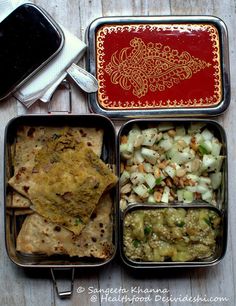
(34, 288)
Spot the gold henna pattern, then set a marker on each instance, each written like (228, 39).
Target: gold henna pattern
(152, 67)
(142, 67)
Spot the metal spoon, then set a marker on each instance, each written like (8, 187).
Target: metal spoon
(83, 78)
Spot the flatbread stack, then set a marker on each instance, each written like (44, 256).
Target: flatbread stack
(59, 175)
(40, 236)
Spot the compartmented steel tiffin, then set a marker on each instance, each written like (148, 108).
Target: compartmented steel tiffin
(220, 207)
(14, 220)
(188, 78)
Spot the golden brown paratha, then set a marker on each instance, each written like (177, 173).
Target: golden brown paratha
(19, 201)
(23, 211)
(30, 139)
(64, 181)
(38, 236)
(93, 138)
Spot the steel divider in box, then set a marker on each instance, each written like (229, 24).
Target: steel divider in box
(172, 161)
(99, 134)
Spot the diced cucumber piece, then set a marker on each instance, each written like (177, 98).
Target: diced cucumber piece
(182, 145)
(191, 188)
(132, 136)
(207, 135)
(180, 195)
(188, 196)
(130, 161)
(124, 177)
(204, 180)
(180, 130)
(137, 178)
(166, 144)
(151, 199)
(133, 133)
(193, 166)
(216, 179)
(195, 127)
(138, 157)
(182, 157)
(208, 196)
(171, 153)
(150, 180)
(149, 155)
(205, 147)
(187, 139)
(202, 150)
(193, 177)
(159, 180)
(148, 167)
(198, 137)
(186, 149)
(218, 164)
(188, 166)
(165, 195)
(176, 166)
(162, 157)
(176, 138)
(166, 136)
(123, 147)
(141, 190)
(212, 163)
(130, 147)
(170, 171)
(202, 189)
(138, 141)
(216, 148)
(124, 151)
(165, 126)
(208, 162)
(149, 136)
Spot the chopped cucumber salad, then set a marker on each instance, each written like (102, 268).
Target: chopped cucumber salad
(170, 163)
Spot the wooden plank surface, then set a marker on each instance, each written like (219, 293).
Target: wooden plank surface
(20, 287)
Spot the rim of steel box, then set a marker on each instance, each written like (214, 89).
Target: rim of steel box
(161, 66)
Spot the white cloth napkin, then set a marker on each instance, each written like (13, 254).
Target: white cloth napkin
(44, 83)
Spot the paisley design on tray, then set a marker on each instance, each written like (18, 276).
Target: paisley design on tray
(152, 66)
(205, 84)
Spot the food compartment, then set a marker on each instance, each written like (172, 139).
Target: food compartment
(172, 162)
(172, 236)
(173, 192)
(39, 145)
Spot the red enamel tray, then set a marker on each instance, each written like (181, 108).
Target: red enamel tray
(159, 66)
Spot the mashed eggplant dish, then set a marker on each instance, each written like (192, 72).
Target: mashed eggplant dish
(171, 234)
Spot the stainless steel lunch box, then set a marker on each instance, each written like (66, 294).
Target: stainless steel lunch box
(221, 206)
(13, 221)
(159, 66)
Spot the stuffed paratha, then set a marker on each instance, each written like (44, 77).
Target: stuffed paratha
(64, 181)
(30, 139)
(39, 236)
